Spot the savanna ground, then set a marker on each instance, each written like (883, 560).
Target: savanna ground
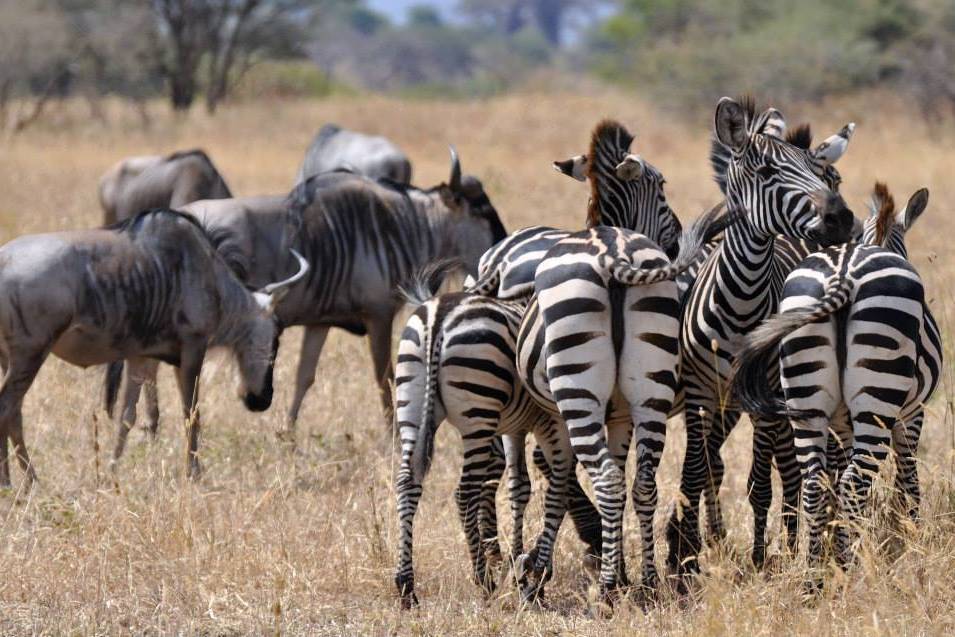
(304, 543)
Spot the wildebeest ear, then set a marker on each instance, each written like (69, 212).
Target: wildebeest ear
(575, 167)
(630, 168)
(914, 208)
(834, 147)
(730, 123)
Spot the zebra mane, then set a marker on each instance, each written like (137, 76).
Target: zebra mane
(882, 207)
(608, 136)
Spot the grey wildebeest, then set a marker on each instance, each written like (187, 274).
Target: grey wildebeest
(336, 148)
(363, 238)
(153, 181)
(152, 286)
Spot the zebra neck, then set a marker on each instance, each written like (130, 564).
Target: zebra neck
(743, 279)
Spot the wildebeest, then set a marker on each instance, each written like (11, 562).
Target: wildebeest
(152, 286)
(363, 238)
(335, 148)
(152, 181)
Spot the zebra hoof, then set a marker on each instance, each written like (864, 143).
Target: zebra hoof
(406, 594)
(591, 562)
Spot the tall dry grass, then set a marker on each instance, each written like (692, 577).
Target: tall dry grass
(304, 543)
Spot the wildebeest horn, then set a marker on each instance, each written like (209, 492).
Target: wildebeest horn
(455, 183)
(273, 289)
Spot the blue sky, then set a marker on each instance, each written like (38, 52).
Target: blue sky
(397, 9)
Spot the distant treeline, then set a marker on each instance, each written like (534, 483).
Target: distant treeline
(681, 52)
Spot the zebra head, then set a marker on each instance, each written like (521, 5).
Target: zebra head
(784, 189)
(625, 190)
(884, 227)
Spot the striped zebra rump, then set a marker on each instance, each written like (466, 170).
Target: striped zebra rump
(456, 362)
(853, 335)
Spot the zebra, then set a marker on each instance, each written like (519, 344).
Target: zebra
(626, 191)
(853, 334)
(603, 325)
(456, 362)
(778, 188)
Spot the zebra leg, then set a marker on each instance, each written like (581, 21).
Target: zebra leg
(724, 423)
(487, 512)
(791, 477)
(582, 511)
(518, 488)
(651, 436)
(552, 438)
(905, 440)
(683, 528)
(477, 451)
(379, 339)
(870, 448)
(408, 491)
(312, 342)
(759, 485)
(811, 442)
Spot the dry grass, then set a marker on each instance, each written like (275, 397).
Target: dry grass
(304, 543)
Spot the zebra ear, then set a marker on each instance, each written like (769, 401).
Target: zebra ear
(730, 124)
(575, 167)
(914, 208)
(630, 168)
(774, 124)
(830, 150)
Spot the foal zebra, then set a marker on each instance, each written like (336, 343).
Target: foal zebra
(853, 333)
(777, 186)
(603, 325)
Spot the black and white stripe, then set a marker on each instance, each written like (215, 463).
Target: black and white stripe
(854, 336)
(599, 339)
(777, 186)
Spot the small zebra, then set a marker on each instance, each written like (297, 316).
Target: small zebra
(603, 325)
(456, 362)
(853, 333)
(778, 186)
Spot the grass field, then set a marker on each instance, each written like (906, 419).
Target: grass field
(304, 543)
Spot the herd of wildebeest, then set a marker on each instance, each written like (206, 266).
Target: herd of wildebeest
(777, 302)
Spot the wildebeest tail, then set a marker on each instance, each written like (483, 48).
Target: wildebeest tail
(751, 381)
(425, 282)
(707, 226)
(111, 383)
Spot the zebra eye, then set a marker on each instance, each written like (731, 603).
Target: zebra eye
(767, 170)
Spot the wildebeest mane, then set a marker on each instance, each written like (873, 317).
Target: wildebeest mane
(192, 152)
(133, 225)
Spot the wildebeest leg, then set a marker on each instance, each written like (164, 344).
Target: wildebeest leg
(151, 391)
(312, 342)
(17, 381)
(139, 372)
(188, 377)
(379, 336)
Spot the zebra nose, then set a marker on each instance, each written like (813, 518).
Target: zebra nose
(837, 220)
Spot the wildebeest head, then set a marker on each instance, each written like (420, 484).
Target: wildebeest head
(255, 354)
(476, 224)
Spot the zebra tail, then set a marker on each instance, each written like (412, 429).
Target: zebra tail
(424, 283)
(428, 427)
(114, 377)
(694, 239)
(751, 380)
